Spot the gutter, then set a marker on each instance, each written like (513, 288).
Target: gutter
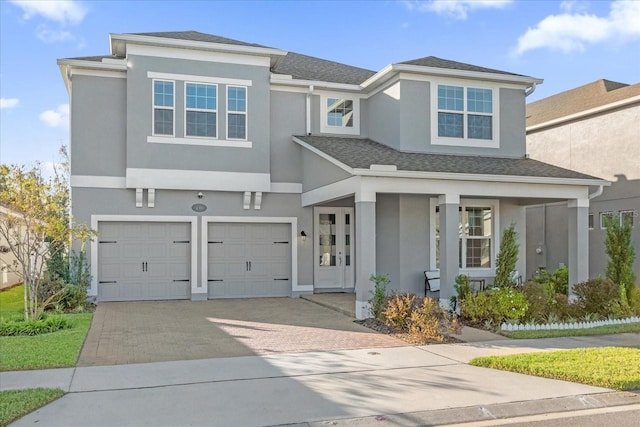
(597, 193)
(530, 90)
(308, 128)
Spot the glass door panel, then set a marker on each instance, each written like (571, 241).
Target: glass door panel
(327, 240)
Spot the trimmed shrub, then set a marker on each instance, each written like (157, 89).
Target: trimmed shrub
(500, 305)
(507, 257)
(44, 325)
(544, 303)
(594, 297)
(430, 322)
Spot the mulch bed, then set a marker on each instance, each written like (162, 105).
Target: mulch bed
(381, 327)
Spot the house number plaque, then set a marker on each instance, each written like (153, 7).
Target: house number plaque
(199, 207)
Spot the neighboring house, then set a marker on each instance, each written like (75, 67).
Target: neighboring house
(214, 168)
(594, 129)
(8, 276)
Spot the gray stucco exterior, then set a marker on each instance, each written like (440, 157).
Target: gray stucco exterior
(122, 172)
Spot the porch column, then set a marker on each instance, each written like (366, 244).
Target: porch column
(578, 225)
(449, 205)
(365, 251)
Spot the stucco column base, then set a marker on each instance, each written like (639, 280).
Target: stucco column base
(363, 310)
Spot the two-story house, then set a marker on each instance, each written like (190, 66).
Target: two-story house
(214, 168)
(593, 129)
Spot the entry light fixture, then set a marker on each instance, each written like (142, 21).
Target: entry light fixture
(303, 235)
(200, 195)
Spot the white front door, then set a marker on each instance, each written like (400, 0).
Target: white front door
(333, 251)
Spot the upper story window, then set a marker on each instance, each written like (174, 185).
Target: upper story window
(163, 107)
(340, 115)
(236, 112)
(465, 116)
(201, 104)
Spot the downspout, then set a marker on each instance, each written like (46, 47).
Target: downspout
(530, 90)
(596, 193)
(309, 110)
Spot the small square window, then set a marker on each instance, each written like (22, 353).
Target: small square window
(591, 221)
(604, 215)
(627, 217)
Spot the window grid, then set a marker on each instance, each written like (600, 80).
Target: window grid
(236, 112)
(476, 234)
(478, 125)
(163, 107)
(201, 110)
(604, 215)
(339, 112)
(627, 216)
(591, 221)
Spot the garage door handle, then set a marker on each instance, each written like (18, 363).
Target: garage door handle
(215, 242)
(280, 243)
(215, 280)
(107, 281)
(107, 241)
(280, 279)
(181, 241)
(181, 280)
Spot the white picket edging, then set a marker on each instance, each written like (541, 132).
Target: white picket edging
(575, 325)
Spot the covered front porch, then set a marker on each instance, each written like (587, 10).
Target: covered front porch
(409, 218)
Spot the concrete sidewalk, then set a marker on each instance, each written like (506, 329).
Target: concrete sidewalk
(349, 386)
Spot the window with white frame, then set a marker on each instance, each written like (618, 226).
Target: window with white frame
(475, 236)
(163, 107)
(591, 221)
(339, 114)
(201, 107)
(236, 112)
(604, 216)
(626, 217)
(465, 112)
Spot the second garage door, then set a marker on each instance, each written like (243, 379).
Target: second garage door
(249, 260)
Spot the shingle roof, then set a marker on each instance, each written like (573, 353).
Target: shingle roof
(310, 68)
(362, 153)
(435, 62)
(97, 58)
(583, 98)
(198, 37)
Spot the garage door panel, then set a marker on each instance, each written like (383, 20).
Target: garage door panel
(144, 261)
(249, 261)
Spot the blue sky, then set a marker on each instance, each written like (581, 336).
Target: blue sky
(567, 43)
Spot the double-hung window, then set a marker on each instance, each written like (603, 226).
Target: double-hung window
(201, 110)
(163, 107)
(475, 236)
(465, 116)
(236, 112)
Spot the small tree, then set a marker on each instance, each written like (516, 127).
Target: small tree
(507, 257)
(621, 253)
(35, 223)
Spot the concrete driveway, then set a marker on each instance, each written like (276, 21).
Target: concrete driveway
(156, 331)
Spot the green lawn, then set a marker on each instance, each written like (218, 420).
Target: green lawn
(610, 367)
(55, 350)
(16, 403)
(600, 330)
(11, 302)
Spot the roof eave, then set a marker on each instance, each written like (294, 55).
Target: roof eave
(287, 80)
(388, 71)
(481, 177)
(118, 44)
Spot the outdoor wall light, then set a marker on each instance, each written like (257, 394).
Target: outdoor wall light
(200, 195)
(303, 235)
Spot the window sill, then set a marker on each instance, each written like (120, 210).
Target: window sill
(465, 142)
(199, 141)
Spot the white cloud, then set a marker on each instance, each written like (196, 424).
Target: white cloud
(457, 9)
(572, 32)
(56, 118)
(54, 36)
(8, 103)
(62, 11)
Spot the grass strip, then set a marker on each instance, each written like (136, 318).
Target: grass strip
(12, 302)
(600, 330)
(54, 350)
(609, 367)
(17, 403)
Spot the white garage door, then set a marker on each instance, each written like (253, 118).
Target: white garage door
(249, 260)
(143, 261)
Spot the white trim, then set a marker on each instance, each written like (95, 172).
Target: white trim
(286, 187)
(197, 55)
(139, 196)
(291, 89)
(342, 130)
(97, 181)
(293, 221)
(257, 201)
(186, 109)
(431, 79)
(190, 78)
(193, 220)
(585, 113)
(284, 80)
(94, 65)
(237, 112)
(465, 141)
(204, 141)
(98, 73)
(178, 179)
(246, 200)
(578, 203)
(119, 41)
(151, 197)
